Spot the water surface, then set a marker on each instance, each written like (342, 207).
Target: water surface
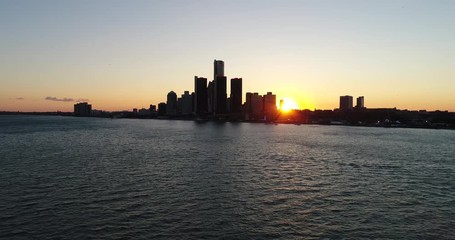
(90, 178)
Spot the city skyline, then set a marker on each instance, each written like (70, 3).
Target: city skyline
(120, 56)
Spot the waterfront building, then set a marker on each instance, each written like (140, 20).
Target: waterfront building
(210, 97)
(201, 97)
(248, 103)
(171, 104)
(162, 109)
(270, 105)
(360, 103)
(247, 106)
(218, 69)
(345, 102)
(220, 96)
(82, 109)
(143, 112)
(257, 106)
(186, 106)
(152, 108)
(236, 95)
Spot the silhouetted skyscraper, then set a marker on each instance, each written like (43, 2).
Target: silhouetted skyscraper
(171, 104)
(248, 107)
(219, 103)
(152, 108)
(162, 108)
(210, 97)
(82, 109)
(345, 102)
(220, 96)
(360, 102)
(270, 106)
(201, 97)
(236, 95)
(218, 69)
(257, 106)
(186, 103)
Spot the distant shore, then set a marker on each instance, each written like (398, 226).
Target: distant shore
(388, 118)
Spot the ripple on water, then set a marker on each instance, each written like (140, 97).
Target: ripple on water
(82, 178)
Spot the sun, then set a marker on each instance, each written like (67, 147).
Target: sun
(288, 104)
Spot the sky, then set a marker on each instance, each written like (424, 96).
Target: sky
(120, 55)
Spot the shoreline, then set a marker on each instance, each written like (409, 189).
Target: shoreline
(445, 126)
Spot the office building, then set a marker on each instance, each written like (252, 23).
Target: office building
(257, 106)
(82, 109)
(360, 102)
(200, 95)
(218, 69)
(220, 95)
(162, 108)
(248, 109)
(186, 103)
(152, 108)
(210, 97)
(171, 104)
(269, 103)
(236, 95)
(270, 110)
(345, 103)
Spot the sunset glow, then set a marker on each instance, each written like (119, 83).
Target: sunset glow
(288, 104)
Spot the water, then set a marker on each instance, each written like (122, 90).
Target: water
(88, 178)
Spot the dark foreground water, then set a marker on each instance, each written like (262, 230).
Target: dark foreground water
(88, 178)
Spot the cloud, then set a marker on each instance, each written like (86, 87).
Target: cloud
(66, 99)
(20, 98)
(59, 99)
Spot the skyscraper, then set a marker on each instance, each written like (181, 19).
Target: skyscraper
(220, 96)
(210, 97)
(171, 104)
(186, 103)
(345, 102)
(257, 106)
(248, 106)
(218, 69)
(360, 103)
(219, 88)
(162, 108)
(82, 109)
(236, 95)
(201, 98)
(270, 106)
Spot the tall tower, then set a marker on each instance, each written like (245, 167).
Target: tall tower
(171, 104)
(219, 88)
(186, 103)
(236, 95)
(360, 102)
(218, 69)
(345, 102)
(200, 95)
(270, 105)
(220, 97)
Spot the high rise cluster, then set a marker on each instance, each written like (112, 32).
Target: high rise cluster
(210, 100)
(346, 103)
